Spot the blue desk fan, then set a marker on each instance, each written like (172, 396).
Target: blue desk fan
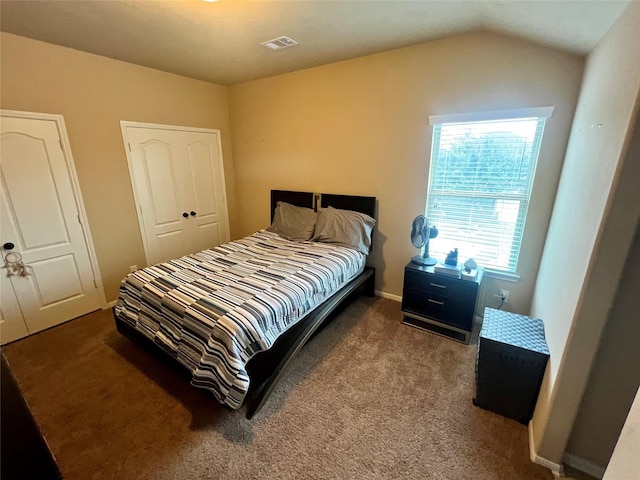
(421, 233)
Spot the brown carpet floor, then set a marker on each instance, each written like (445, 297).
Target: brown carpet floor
(368, 398)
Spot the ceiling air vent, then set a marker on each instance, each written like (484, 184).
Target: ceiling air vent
(279, 43)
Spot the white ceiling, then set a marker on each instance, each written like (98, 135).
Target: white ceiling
(220, 42)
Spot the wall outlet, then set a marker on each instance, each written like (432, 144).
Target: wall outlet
(133, 268)
(504, 295)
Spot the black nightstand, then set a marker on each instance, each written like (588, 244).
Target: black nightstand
(439, 303)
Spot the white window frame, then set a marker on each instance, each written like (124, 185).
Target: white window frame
(513, 114)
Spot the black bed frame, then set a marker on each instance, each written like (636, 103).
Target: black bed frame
(266, 368)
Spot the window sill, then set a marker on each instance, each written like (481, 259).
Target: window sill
(508, 276)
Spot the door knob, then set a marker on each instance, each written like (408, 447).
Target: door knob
(185, 215)
(8, 246)
(193, 214)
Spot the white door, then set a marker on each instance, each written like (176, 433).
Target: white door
(178, 180)
(40, 217)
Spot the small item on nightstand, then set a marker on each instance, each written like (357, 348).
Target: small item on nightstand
(470, 275)
(470, 264)
(452, 258)
(445, 269)
(470, 270)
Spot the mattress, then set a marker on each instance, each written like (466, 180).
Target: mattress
(214, 310)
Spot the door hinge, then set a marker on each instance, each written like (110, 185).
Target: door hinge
(95, 284)
(129, 146)
(78, 217)
(61, 144)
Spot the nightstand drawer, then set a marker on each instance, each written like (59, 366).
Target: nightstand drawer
(451, 311)
(441, 286)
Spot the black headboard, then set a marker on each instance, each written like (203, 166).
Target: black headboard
(299, 199)
(307, 199)
(365, 205)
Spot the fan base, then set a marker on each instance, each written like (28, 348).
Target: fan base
(420, 260)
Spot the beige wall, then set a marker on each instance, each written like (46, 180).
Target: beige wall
(615, 377)
(361, 127)
(94, 94)
(596, 210)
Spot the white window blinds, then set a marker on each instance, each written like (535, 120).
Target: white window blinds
(480, 181)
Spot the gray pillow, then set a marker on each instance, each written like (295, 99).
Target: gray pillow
(344, 227)
(293, 223)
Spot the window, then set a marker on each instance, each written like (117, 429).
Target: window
(480, 180)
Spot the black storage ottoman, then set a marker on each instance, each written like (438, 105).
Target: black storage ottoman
(510, 363)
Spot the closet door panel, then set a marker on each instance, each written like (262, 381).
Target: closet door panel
(162, 191)
(210, 222)
(201, 161)
(158, 165)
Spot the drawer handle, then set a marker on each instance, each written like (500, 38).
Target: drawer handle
(438, 285)
(435, 301)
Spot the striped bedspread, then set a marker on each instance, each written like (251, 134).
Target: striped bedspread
(213, 310)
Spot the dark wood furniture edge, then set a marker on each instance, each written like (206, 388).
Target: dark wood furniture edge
(24, 450)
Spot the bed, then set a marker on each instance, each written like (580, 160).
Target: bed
(232, 318)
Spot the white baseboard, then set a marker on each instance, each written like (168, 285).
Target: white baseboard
(583, 465)
(110, 305)
(390, 296)
(556, 468)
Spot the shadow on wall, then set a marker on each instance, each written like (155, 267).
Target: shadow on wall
(376, 259)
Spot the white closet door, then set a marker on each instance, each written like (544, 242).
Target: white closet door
(40, 217)
(210, 224)
(160, 184)
(178, 180)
